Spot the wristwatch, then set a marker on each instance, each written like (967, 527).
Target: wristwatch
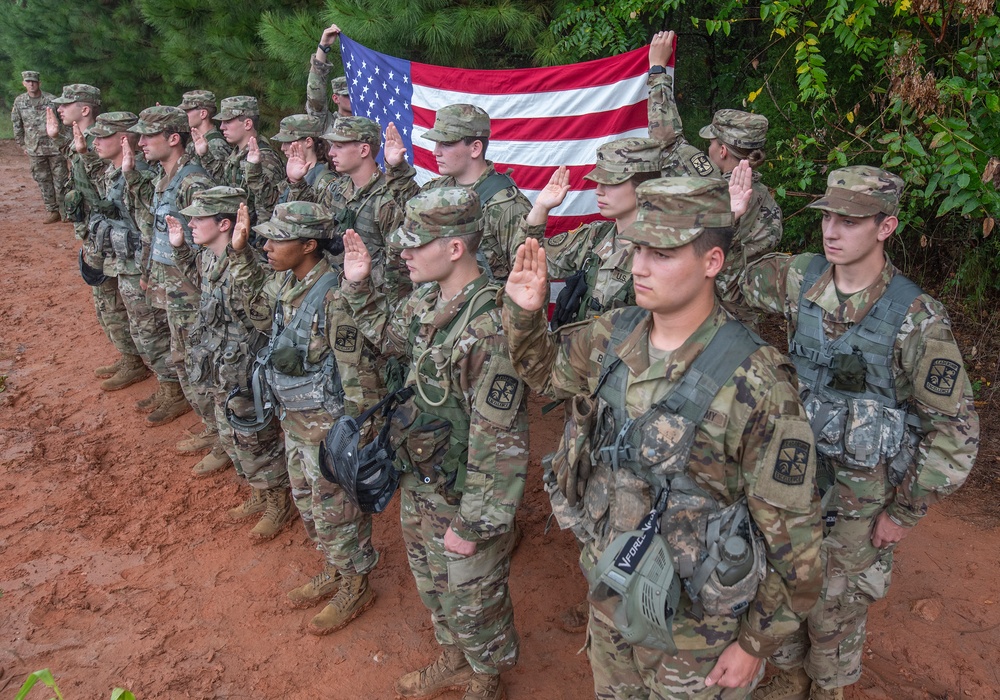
(324, 49)
(655, 70)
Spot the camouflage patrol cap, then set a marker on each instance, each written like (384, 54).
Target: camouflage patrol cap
(440, 212)
(339, 86)
(861, 190)
(154, 120)
(216, 200)
(79, 92)
(673, 211)
(360, 129)
(294, 220)
(197, 99)
(298, 126)
(235, 107)
(111, 123)
(737, 128)
(30, 75)
(455, 122)
(620, 159)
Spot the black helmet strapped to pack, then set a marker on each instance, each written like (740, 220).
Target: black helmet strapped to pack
(93, 276)
(367, 474)
(238, 405)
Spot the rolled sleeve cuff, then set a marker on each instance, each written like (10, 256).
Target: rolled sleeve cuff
(756, 643)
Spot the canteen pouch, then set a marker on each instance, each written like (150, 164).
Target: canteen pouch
(288, 360)
(73, 206)
(718, 598)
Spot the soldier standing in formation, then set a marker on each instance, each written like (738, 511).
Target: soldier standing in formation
(48, 166)
(200, 108)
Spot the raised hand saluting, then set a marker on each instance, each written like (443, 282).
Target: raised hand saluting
(51, 123)
(241, 231)
(175, 230)
(528, 284)
(296, 166)
(357, 261)
(740, 188)
(393, 150)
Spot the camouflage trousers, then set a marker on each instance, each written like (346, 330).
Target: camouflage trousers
(830, 644)
(52, 176)
(626, 672)
(147, 326)
(341, 531)
(258, 457)
(112, 315)
(468, 597)
(200, 397)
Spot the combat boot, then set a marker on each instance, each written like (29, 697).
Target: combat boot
(574, 620)
(323, 584)
(172, 405)
(786, 685)
(256, 503)
(196, 442)
(818, 693)
(131, 371)
(353, 598)
(109, 370)
(449, 671)
(149, 404)
(52, 218)
(276, 516)
(212, 462)
(483, 686)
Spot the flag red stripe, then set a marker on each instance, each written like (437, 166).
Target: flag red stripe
(527, 177)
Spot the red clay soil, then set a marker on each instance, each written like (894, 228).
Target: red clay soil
(119, 569)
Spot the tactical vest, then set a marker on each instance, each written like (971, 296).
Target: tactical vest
(858, 427)
(438, 407)
(589, 306)
(116, 233)
(164, 205)
(487, 190)
(631, 462)
(319, 385)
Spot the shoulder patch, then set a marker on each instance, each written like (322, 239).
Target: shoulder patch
(792, 462)
(500, 393)
(557, 239)
(940, 378)
(701, 164)
(347, 344)
(785, 475)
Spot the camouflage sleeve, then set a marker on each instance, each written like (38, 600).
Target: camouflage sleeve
(778, 461)
(317, 101)
(186, 259)
(388, 330)
(397, 277)
(265, 180)
(943, 402)
(758, 233)
(356, 357)
(215, 160)
(139, 189)
(83, 180)
(566, 252)
(664, 120)
(507, 221)
(498, 433)
(402, 182)
(191, 184)
(764, 284)
(18, 124)
(256, 290)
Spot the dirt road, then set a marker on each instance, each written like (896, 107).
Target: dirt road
(118, 569)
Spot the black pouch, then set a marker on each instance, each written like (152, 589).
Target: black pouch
(849, 372)
(288, 361)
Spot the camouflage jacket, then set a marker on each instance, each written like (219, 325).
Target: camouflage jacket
(680, 158)
(504, 214)
(319, 177)
(139, 216)
(488, 391)
(214, 161)
(949, 422)
(735, 453)
(85, 171)
(28, 117)
(263, 181)
(259, 291)
(317, 95)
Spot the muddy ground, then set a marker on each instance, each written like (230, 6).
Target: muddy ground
(118, 569)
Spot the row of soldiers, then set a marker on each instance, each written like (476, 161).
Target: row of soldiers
(731, 505)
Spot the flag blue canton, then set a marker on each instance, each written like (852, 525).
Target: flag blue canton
(380, 89)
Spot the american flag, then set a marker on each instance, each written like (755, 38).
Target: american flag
(541, 118)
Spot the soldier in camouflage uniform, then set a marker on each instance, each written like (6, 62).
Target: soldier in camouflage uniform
(163, 135)
(653, 450)
(301, 135)
(737, 136)
(79, 103)
(464, 438)
(200, 108)
(360, 200)
(886, 391)
(252, 165)
(461, 135)
(223, 347)
(319, 68)
(48, 166)
(313, 384)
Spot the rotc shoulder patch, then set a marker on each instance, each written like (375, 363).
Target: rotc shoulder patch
(500, 392)
(347, 339)
(791, 463)
(939, 380)
(785, 475)
(701, 164)
(941, 376)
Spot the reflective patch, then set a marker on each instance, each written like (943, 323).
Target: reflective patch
(701, 164)
(942, 376)
(502, 392)
(792, 462)
(346, 340)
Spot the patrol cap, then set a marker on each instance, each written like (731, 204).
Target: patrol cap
(239, 106)
(154, 120)
(298, 126)
(111, 123)
(620, 159)
(440, 212)
(673, 211)
(79, 92)
(197, 99)
(30, 75)
(861, 190)
(339, 86)
(361, 129)
(216, 200)
(737, 128)
(293, 220)
(455, 122)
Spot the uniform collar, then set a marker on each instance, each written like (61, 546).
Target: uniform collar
(440, 318)
(824, 295)
(634, 350)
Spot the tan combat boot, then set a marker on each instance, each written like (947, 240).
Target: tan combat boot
(172, 405)
(818, 693)
(212, 462)
(131, 371)
(353, 598)
(450, 671)
(574, 620)
(53, 218)
(786, 685)
(483, 686)
(256, 503)
(196, 442)
(276, 516)
(109, 370)
(149, 404)
(322, 585)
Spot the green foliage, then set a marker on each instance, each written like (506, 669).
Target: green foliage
(45, 676)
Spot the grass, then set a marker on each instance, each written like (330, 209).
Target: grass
(6, 128)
